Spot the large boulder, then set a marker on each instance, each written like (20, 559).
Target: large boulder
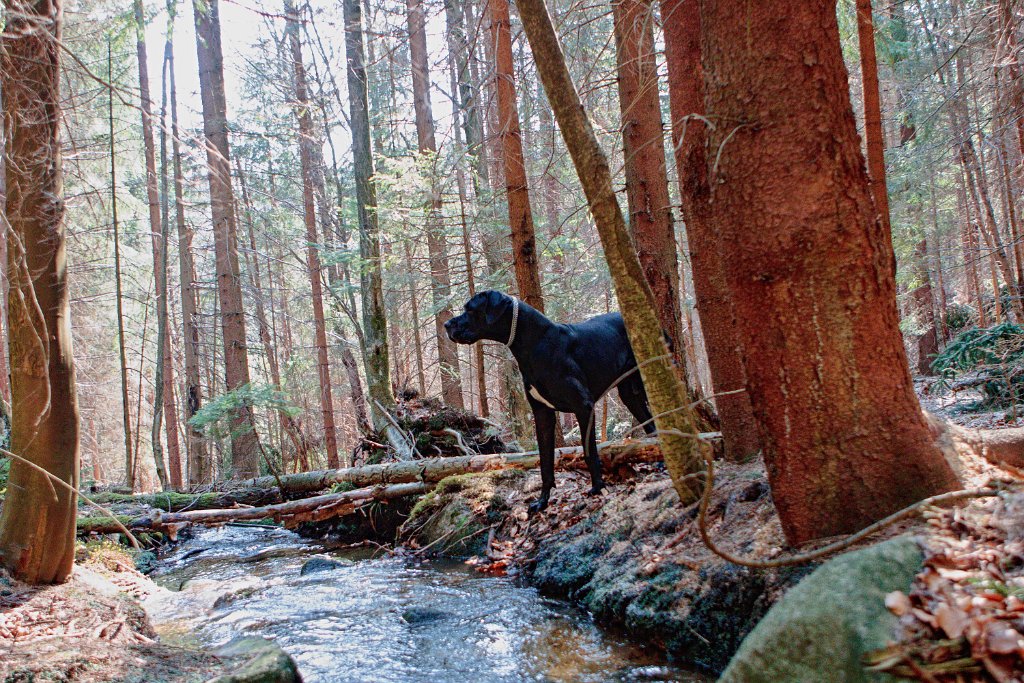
(820, 630)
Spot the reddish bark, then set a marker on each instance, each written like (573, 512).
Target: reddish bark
(873, 132)
(520, 216)
(812, 273)
(244, 453)
(37, 524)
(714, 302)
(650, 211)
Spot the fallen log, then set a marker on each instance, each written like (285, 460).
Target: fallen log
(263, 491)
(172, 501)
(613, 455)
(291, 513)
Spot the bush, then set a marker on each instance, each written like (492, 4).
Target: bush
(995, 353)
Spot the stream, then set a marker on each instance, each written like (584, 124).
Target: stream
(366, 616)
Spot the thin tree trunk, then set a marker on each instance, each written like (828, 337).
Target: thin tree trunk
(650, 211)
(155, 230)
(667, 395)
(169, 404)
(873, 132)
(520, 215)
(928, 341)
(307, 156)
(375, 358)
(715, 307)
(244, 447)
(37, 524)
(421, 377)
(126, 420)
(440, 286)
(199, 465)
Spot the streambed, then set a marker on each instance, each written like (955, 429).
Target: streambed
(360, 615)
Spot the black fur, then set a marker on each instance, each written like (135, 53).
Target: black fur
(565, 368)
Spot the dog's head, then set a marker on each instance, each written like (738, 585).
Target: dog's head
(488, 315)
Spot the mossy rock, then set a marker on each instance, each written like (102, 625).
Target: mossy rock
(256, 660)
(823, 627)
(452, 518)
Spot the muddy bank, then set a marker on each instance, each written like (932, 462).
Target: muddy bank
(632, 557)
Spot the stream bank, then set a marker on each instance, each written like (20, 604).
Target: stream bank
(631, 557)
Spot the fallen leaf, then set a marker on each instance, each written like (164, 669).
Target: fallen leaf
(951, 619)
(898, 603)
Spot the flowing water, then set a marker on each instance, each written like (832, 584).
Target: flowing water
(383, 618)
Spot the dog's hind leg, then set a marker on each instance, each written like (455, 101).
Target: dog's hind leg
(544, 418)
(634, 397)
(585, 416)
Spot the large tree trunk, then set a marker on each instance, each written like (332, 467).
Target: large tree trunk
(37, 525)
(200, 470)
(244, 447)
(812, 273)
(520, 215)
(650, 210)
(440, 285)
(375, 356)
(667, 395)
(681, 19)
(307, 159)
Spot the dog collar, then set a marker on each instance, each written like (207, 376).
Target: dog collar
(515, 321)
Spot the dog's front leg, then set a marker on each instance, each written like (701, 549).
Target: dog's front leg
(585, 417)
(544, 419)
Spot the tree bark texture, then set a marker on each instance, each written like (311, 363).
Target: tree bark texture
(650, 209)
(520, 214)
(37, 525)
(244, 447)
(375, 356)
(681, 19)
(812, 273)
(873, 132)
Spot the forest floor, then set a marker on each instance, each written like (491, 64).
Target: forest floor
(91, 628)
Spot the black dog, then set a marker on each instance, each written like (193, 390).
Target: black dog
(565, 368)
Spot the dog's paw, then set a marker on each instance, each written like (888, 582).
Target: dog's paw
(596, 490)
(537, 506)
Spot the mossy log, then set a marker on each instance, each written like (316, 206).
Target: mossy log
(172, 501)
(435, 469)
(291, 513)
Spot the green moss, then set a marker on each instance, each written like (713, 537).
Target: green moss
(165, 500)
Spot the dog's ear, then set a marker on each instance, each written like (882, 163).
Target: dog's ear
(496, 304)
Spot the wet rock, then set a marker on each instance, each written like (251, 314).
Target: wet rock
(820, 630)
(256, 660)
(422, 615)
(322, 564)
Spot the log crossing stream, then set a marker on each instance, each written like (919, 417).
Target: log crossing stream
(354, 616)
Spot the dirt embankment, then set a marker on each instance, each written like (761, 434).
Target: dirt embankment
(93, 629)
